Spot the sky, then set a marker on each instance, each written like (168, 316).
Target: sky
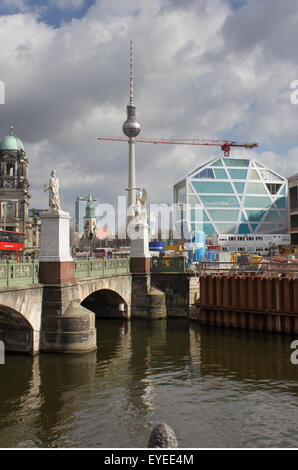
(218, 69)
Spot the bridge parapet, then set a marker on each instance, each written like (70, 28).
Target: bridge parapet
(101, 267)
(19, 274)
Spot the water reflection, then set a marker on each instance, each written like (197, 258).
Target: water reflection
(240, 355)
(214, 387)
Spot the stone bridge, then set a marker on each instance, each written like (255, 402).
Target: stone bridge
(60, 316)
(36, 316)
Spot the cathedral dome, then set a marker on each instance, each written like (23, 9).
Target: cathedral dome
(11, 142)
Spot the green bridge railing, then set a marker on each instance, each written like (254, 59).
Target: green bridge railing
(101, 267)
(13, 274)
(18, 274)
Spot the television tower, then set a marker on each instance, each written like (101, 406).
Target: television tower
(131, 129)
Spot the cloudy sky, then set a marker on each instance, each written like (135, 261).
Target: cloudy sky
(203, 69)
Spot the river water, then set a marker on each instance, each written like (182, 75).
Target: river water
(214, 387)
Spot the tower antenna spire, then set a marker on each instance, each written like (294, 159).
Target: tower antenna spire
(131, 128)
(131, 74)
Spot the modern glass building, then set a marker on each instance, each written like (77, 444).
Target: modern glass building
(233, 196)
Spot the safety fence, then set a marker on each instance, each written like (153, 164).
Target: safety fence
(266, 268)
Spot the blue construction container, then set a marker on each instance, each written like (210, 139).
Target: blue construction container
(197, 247)
(157, 246)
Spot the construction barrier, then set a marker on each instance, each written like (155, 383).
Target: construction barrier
(250, 302)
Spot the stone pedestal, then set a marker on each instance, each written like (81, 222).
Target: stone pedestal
(140, 258)
(66, 327)
(56, 264)
(140, 265)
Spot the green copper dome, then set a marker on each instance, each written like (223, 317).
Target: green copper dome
(11, 142)
(89, 207)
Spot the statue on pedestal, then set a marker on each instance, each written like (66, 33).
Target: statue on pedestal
(53, 188)
(141, 207)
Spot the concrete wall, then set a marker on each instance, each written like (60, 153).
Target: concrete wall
(182, 293)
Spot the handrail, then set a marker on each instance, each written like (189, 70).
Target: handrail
(100, 267)
(18, 274)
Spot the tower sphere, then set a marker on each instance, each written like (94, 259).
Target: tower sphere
(131, 127)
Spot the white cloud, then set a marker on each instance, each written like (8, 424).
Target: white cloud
(67, 4)
(202, 70)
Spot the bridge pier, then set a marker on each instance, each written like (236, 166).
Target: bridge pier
(67, 327)
(146, 301)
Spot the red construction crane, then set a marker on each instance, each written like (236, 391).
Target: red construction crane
(224, 144)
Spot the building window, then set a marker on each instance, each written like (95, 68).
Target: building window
(257, 201)
(273, 187)
(219, 201)
(205, 187)
(220, 174)
(238, 174)
(233, 162)
(294, 198)
(181, 195)
(255, 188)
(294, 221)
(207, 173)
(10, 169)
(10, 209)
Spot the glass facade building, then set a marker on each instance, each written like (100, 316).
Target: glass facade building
(233, 196)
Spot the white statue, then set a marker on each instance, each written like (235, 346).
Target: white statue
(140, 207)
(53, 188)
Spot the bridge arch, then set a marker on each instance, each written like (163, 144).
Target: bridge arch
(16, 331)
(103, 295)
(20, 318)
(105, 304)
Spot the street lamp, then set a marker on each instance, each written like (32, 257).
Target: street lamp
(91, 236)
(4, 206)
